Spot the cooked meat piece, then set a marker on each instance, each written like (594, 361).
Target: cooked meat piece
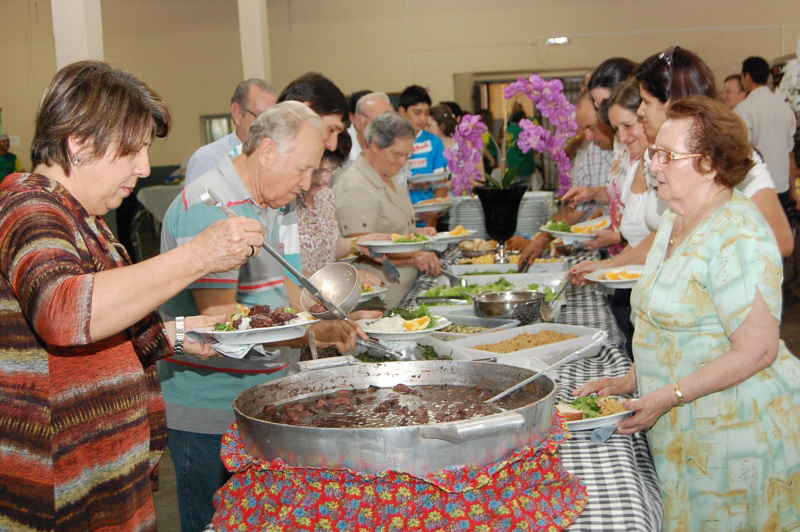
(260, 309)
(261, 320)
(402, 388)
(280, 316)
(319, 308)
(236, 323)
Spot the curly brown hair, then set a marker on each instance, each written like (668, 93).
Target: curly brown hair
(719, 135)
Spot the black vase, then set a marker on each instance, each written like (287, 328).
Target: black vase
(500, 211)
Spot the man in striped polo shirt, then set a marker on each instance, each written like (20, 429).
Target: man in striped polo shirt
(282, 149)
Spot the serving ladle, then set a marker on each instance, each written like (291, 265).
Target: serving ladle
(211, 199)
(597, 338)
(548, 309)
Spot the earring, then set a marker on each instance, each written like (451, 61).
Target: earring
(75, 160)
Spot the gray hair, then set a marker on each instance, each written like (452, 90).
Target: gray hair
(362, 102)
(387, 128)
(281, 123)
(243, 89)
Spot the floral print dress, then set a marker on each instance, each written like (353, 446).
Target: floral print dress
(729, 460)
(319, 231)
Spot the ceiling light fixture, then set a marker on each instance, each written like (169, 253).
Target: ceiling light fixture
(553, 41)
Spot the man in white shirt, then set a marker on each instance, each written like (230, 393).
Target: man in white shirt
(368, 108)
(591, 169)
(251, 98)
(772, 125)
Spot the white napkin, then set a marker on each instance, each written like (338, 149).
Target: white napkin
(240, 351)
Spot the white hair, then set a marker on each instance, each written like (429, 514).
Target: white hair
(281, 123)
(362, 102)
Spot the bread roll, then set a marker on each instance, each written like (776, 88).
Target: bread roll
(569, 413)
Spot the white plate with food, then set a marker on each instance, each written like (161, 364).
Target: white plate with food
(451, 237)
(619, 277)
(432, 205)
(402, 244)
(368, 292)
(568, 236)
(429, 178)
(389, 328)
(591, 227)
(259, 335)
(603, 411)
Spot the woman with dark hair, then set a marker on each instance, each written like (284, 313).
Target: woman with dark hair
(667, 77)
(443, 124)
(719, 392)
(82, 413)
(607, 76)
(604, 80)
(324, 98)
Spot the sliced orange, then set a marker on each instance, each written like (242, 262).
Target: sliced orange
(396, 237)
(417, 324)
(582, 229)
(458, 231)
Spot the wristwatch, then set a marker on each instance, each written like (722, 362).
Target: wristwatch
(180, 329)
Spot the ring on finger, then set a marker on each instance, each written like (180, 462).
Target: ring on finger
(252, 251)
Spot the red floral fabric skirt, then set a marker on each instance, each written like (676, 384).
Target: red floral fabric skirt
(529, 490)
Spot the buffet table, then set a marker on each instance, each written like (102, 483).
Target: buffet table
(619, 474)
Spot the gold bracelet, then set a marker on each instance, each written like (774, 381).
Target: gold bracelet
(353, 242)
(678, 393)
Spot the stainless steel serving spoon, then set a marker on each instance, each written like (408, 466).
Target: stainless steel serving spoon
(548, 309)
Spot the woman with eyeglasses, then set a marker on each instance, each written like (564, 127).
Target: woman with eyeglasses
(719, 392)
(370, 199)
(667, 77)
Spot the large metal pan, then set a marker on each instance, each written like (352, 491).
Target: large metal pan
(418, 450)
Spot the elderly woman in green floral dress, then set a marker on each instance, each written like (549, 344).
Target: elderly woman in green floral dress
(720, 393)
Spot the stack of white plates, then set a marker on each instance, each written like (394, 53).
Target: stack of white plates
(534, 212)
(468, 212)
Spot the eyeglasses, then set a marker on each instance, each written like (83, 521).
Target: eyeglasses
(665, 156)
(246, 110)
(666, 56)
(329, 170)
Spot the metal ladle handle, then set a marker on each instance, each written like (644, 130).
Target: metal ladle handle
(211, 199)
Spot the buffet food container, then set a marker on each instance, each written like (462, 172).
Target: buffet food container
(418, 450)
(522, 305)
(534, 358)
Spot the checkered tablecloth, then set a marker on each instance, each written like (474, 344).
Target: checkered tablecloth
(619, 474)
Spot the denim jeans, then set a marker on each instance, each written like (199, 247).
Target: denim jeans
(199, 473)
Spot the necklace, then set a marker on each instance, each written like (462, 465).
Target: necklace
(701, 209)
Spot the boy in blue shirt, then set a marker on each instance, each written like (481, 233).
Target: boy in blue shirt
(428, 155)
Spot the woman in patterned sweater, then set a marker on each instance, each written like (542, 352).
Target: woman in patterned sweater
(81, 414)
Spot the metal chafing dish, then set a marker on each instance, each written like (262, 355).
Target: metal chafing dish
(418, 450)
